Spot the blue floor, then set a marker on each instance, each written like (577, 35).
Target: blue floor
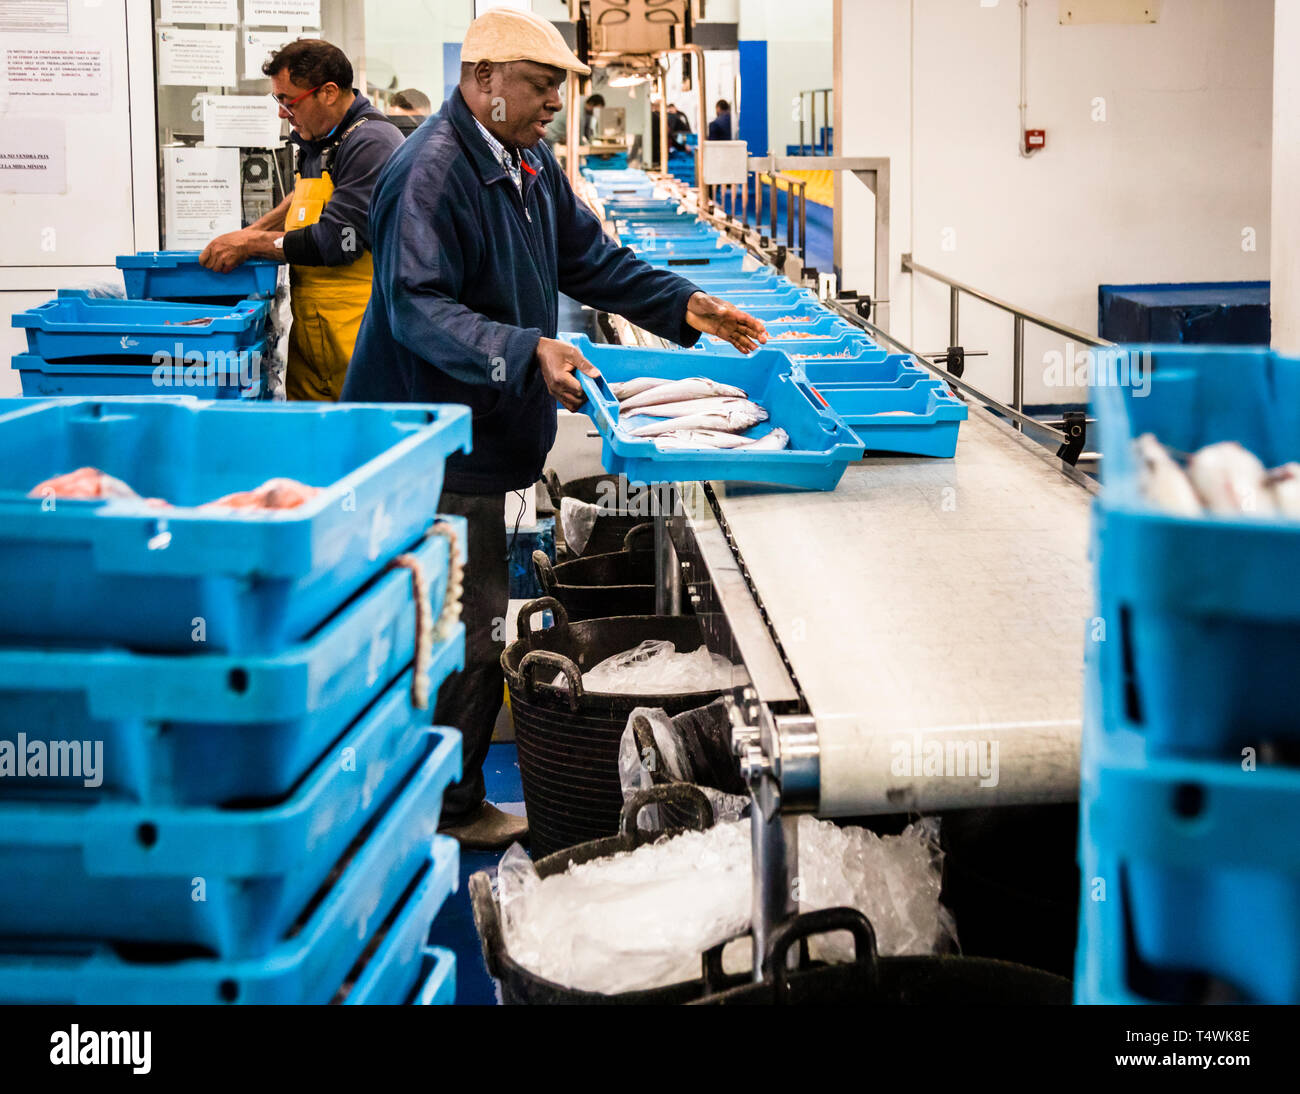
(454, 927)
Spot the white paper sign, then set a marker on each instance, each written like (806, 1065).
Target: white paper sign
(39, 74)
(282, 13)
(35, 16)
(240, 121)
(33, 156)
(260, 44)
(196, 58)
(202, 195)
(199, 11)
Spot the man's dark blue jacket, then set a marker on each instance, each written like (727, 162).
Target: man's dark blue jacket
(467, 277)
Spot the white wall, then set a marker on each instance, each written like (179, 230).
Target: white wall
(405, 38)
(1159, 189)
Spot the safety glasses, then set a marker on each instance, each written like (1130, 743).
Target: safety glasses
(288, 107)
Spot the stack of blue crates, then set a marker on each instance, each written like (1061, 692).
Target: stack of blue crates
(1190, 797)
(890, 401)
(216, 782)
(183, 330)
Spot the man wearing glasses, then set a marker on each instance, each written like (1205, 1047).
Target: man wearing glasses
(322, 229)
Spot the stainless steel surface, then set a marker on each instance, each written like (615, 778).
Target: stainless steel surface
(931, 603)
(954, 305)
(798, 760)
(773, 843)
(1038, 320)
(668, 587)
(722, 598)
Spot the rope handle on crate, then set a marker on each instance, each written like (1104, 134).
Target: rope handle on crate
(427, 632)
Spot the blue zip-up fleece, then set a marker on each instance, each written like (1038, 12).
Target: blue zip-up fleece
(467, 277)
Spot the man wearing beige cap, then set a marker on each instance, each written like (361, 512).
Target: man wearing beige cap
(475, 232)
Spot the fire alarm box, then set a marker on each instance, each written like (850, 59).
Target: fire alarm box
(1035, 140)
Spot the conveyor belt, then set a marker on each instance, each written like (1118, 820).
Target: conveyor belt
(931, 607)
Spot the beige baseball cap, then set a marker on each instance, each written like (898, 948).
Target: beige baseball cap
(504, 34)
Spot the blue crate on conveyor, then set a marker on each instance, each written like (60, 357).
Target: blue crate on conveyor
(178, 275)
(76, 325)
(208, 728)
(128, 572)
(1203, 612)
(821, 445)
(213, 376)
(920, 419)
(832, 344)
(879, 368)
(124, 872)
(310, 967)
(825, 326)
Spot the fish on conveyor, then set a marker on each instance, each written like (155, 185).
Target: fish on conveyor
(724, 421)
(716, 405)
(1162, 481)
(671, 391)
(1230, 480)
(1284, 484)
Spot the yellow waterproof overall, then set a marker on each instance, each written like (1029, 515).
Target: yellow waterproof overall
(328, 303)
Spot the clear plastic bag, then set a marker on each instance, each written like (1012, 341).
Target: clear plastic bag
(577, 519)
(656, 668)
(671, 755)
(103, 289)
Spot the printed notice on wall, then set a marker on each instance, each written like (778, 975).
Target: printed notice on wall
(240, 121)
(34, 16)
(196, 58)
(202, 197)
(260, 44)
(200, 11)
(282, 13)
(33, 156)
(39, 74)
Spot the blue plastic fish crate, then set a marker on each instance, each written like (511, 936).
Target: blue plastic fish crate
(79, 326)
(1200, 872)
(214, 728)
(821, 328)
(309, 968)
(226, 376)
(1202, 612)
(881, 369)
(132, 573)
(177, 275)
(126, 872)
(921, 419)
(688, 265)
(398, 969)
(821, 445)
(807, 310)
(659, 247)
(835, 342)
(438, 983)
(776, 294)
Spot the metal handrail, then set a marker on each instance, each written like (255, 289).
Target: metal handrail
(812, 93)
(1020, 317)
(773, 180)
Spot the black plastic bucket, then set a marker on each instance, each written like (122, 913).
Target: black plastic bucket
(872, 980)
(624, 507)
(706, 736)
(518, 985)
(600, 586)
(568, 738)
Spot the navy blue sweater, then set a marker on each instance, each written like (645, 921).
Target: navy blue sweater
(467, 277)
(357, 163)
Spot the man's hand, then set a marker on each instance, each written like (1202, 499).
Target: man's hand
(226, 252)
(713, 316)
(558, 362)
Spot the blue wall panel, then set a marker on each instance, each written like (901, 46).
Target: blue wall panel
(753, 94)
